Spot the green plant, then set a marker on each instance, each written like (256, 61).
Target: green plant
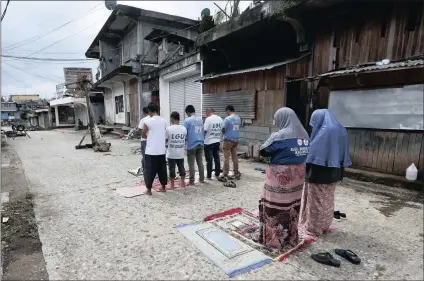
(281, 7)
(23, 115)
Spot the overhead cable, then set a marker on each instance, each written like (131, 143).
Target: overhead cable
(33, 74)
(45, 59)
(5, 9)
(35, 38)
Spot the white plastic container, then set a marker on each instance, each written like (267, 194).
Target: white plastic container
(411, 173)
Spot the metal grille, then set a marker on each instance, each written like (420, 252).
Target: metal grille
(244, 103)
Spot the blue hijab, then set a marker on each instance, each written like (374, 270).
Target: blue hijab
(329, 144)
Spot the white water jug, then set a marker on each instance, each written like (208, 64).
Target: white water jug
(411, 173)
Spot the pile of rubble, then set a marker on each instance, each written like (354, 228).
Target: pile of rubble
(3, 139)
(133, 134)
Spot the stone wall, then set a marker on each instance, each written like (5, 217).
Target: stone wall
(254, 134)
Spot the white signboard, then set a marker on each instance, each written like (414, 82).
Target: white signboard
(72, 74)
(399, 108)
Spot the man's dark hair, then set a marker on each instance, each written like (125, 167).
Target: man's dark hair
(153, 107)
(190, 109)
(145, 110)
(230, 108)
(175, 116)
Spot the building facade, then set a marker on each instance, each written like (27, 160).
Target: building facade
(363, 64)
(131, 43)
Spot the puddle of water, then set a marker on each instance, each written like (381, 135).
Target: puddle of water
(390, 206)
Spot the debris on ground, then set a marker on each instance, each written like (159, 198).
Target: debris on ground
(3, 139)
(136, 151)
(5, 220)
(132, 135)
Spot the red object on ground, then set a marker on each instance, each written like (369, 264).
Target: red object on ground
(223, 214)
(121, 136)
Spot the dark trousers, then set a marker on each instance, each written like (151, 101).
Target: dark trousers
(212, 155)
(155, 165)
(171, 166)
(143, 154)
(196, 155)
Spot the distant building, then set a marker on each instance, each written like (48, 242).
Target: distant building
(24, 97)
(9, 111)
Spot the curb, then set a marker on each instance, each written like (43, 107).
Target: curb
(385, 179)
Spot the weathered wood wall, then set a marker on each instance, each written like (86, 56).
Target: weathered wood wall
(270, 85)
(386, 151)
(370, 36)
(134, 103)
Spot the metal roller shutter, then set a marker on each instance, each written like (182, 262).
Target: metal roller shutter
(193, 92)
(176, 98)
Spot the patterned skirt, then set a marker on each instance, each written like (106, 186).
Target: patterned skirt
(317, 209)
(279, 206)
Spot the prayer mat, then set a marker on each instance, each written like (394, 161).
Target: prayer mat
(229, 254)
(244, 225)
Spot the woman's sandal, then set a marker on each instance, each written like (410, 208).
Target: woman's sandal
(348, 255)
(326, 258)
(230, 184)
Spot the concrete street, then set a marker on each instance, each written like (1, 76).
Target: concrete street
(90, 232)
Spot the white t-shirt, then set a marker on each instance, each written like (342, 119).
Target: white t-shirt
(155, 144)
(213, 127)
(141, 124)
(176, 135)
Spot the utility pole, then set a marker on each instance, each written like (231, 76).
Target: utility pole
(84, 85)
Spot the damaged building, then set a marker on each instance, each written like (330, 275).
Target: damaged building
(132, 43)
(363, 64)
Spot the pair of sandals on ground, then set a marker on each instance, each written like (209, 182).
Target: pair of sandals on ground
(228, 180)
(328, 259)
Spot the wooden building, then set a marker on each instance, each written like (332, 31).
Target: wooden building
(365, 65)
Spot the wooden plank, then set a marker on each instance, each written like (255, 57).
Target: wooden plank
(421, 158)
(392, 151)
(351, 137)
(383, 151)
(414, 148)
(361, 154)
(398, 159)
(376, 142)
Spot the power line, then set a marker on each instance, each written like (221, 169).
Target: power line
(36, 75)
(45, 59)
(5, 9)
(11, 76)
(34, 38)
(56, 42)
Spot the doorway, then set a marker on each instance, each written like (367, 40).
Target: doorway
(296, 99)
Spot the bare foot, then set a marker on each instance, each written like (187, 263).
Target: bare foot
(171, 185)
(162, 189)
(182, 183)
(147, 192)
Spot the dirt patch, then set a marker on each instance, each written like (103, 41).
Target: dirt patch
(20, 242)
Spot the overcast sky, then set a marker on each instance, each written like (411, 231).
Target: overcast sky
(27, 19)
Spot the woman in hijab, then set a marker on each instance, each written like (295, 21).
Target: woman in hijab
(280, 202)
(328, 156)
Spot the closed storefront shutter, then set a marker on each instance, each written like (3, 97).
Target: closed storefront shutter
(193, 92)
(176, 98)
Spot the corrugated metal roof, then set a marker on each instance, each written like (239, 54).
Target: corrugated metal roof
(369, 68)
(253, 69)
